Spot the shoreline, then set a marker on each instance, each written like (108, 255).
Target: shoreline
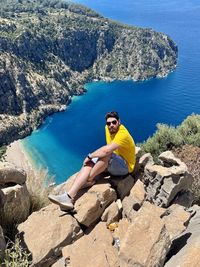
(17, 155)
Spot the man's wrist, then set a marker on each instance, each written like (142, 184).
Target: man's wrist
(89, 157)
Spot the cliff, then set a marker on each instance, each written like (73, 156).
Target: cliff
(49, 49)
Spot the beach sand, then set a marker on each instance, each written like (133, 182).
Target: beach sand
(16, 154)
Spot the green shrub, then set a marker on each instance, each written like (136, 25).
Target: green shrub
(167, 137)
(15, 255)
(190, 130)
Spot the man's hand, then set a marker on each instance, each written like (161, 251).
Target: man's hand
(87, 162)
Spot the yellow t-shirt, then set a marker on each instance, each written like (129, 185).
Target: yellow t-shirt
(126, 143)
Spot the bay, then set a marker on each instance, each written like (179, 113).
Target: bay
(62, 142)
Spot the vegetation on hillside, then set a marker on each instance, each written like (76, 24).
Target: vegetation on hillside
(168, 137)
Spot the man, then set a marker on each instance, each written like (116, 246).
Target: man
(117, 157)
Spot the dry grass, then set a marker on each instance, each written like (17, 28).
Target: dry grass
(39, 185)
(191, 156)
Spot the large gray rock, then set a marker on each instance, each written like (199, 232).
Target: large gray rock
(134, 200)
(94, 249)
(186, 247)
(146, 241)
(16, 207)
(163, 183)
(91, 205)
(46, 232)
(111, 214)
(123, 185)
(9, 173)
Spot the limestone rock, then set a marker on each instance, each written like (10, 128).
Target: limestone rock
(111, 214)
(121, 230)
(91, 205)
(16, 204)
(176, 220)
(59, 263)
(123, 185)
(93, 249)
(164, 183)
(9, 173)
(184, 199)
(146, 159)
(147, 241)
(46, 232)
(186, 247)
(134, 200)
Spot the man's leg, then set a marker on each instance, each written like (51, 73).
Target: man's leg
(87, 174)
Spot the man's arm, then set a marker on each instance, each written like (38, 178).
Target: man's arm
(104, 151)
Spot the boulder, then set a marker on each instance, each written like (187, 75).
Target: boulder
(122, 185)
(146, 159)
(111, 214)
(93, 249)
(91, 205)
(164, 183)
(176, 220)
(16, 206)
(46, 232)
(186, 247)
(134, 200)
(10, 174)
(146, 241)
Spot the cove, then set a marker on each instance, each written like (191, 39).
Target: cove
(64, 139)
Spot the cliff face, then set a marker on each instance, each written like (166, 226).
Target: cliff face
(49, 49)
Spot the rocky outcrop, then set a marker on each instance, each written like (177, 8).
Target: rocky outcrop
(186, 247)
(40, 71)
(46, 232)
(105, 231)
(163, 182)
(15, 198)
(93, 249)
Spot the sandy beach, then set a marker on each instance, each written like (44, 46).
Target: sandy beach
(17, 155)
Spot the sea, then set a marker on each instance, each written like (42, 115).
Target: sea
(64, 139)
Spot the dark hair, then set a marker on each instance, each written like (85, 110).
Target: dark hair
(112, 114)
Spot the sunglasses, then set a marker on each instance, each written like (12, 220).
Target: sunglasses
(111, 122)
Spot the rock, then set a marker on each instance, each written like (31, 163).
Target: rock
(9, 173)
(2, 243)
(93, 249)
(168, 159)
(123, 185)
(46, 232)
(186, 247)
(134, 200)
(111, 214)
(184, 199)
(16, 206)
(164, 183)
(91, 205)
(146, 159)
(146, 241)
(176, 220)
(59, 263)
(121, 230)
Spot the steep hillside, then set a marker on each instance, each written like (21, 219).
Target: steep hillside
(49, 49)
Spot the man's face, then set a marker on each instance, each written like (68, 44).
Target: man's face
(113, 125)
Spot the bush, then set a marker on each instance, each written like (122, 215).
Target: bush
(168, 137)
(15, 255)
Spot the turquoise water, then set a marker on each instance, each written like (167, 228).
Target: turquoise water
(62, 142)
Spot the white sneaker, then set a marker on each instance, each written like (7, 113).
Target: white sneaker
(63, 201)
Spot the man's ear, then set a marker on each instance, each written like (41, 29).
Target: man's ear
(119, 121)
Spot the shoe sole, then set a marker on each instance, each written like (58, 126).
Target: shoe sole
(63, 207)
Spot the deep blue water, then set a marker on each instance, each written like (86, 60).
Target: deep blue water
(66, 138)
